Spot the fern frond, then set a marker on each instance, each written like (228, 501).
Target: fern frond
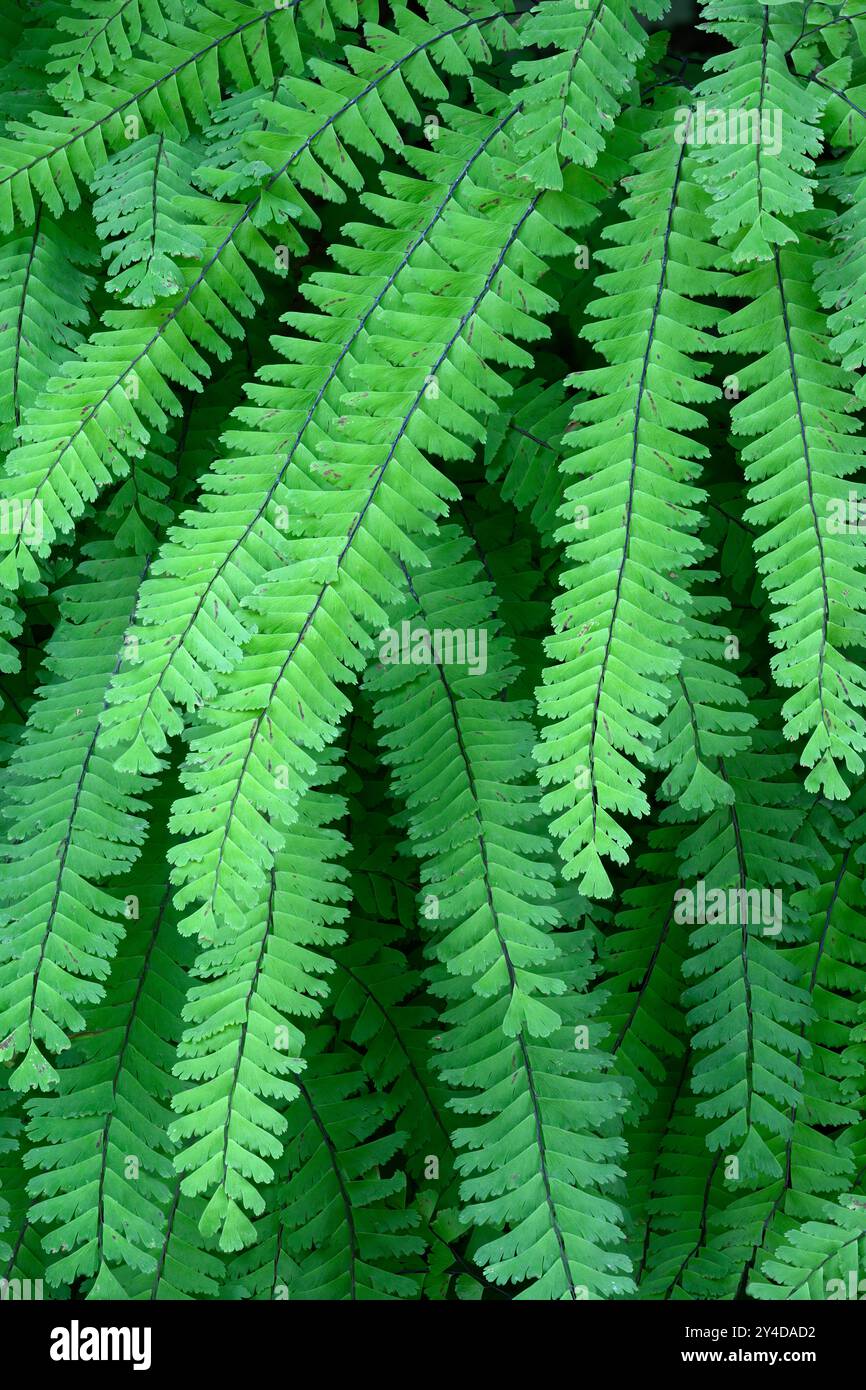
(375, 1001)
(617, 626)
(74, 822)
(44, 294)
(99, 1146)
(338, 1228)
(756, 135)
(21, 1256)
(815, 1164)
(747, 1009)
(241, 1047)
(376, 495)
(841, 279)
(820, 1259)
(101, 411)
(184, 1265)
(683, 1259)
(142, 193)
(641, 956)
(708, 717)
(537, 1164)
(50, 157)
(522, 451)
(802, 449)
(570, 99)
(104, 35)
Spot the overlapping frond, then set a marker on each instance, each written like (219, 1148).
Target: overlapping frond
(642, 954)
(174, 81)
(747, 1010)
(756, 133)
(522, 451)
(682, 1258)
(338, 1228)
(352, 507)
(520, 1042)
(72, 823)
(142, 193)
(821, 1259)
(841, 278)
(99, 1154)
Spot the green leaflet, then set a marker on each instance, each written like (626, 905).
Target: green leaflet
(141, 191)
(102, 36)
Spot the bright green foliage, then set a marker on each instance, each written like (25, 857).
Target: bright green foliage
(681, 1260)
(432, 642)
(241, 1047)
(142, 193)
(102, 35)
(43, 303)
(821, 1259)
(841, 278)
(99, 1144)
(83, 831)
(338, 1230)
(758, 185)
(631, 513)
(570, 100)
(747, 1012)
(801, 455)
(498, 962)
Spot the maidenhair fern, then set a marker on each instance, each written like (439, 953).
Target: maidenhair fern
(432, 650)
